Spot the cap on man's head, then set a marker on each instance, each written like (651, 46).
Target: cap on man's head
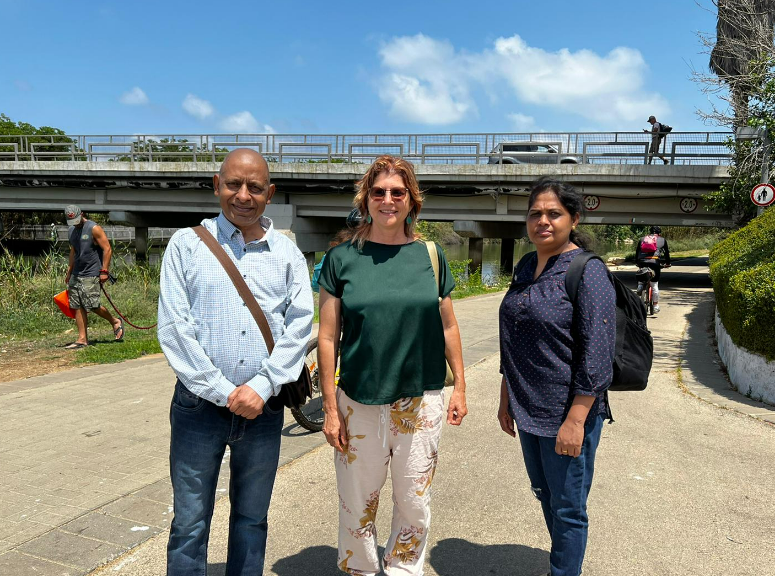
(73, 215)
(651, 118)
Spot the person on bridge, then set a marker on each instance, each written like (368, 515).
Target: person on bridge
(398, 326)
(557, 365)
(87, 271)
(653, 252)
(657, 135)
(227, 382)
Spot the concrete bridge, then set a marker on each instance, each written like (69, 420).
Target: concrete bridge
(483, 194)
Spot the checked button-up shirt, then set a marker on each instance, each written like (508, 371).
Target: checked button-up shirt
(207, 333)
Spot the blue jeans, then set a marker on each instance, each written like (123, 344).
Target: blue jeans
(562, 484)
(200, 433)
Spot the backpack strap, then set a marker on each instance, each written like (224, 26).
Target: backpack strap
(575, 272)
(434, 256)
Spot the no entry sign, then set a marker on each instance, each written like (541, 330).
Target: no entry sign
(763, 194)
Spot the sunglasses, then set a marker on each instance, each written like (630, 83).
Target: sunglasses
(396, 193)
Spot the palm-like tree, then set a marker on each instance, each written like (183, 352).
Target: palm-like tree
(744, 32)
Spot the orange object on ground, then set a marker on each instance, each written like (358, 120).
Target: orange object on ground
(63, 301)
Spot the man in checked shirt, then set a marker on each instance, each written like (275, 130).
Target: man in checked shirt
(225, 394)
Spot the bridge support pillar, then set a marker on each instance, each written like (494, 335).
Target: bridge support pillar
(507, 255)
(475, 231)
(141, 243)
(314, 233)
(310, 258)
(475, 250)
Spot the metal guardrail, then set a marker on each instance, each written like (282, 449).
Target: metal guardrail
(59, 233)
(682, 148)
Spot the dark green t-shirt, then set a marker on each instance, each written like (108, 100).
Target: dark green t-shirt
(392, 335)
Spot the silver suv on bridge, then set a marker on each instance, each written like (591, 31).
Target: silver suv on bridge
(530, 153)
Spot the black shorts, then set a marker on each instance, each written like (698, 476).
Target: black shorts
(654, 265)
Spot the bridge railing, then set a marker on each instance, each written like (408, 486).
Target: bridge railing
(680, 148)
(59, 233)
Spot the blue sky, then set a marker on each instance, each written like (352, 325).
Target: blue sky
(352, 67)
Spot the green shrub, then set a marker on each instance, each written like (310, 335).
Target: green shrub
(742, 268)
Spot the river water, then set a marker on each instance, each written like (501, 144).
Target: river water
(492, 253)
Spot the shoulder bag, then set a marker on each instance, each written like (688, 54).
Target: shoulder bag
(292, 394)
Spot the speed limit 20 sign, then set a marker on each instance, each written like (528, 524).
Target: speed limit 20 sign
(763, 194)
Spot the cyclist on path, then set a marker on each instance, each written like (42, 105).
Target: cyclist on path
(652, 252)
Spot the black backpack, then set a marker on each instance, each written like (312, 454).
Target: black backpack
(634, 350)
(664, 129)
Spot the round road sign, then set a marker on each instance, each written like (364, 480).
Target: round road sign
(688, 205)
(763, 194)
(591, 202)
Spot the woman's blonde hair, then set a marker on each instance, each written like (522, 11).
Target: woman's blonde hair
(386, 165)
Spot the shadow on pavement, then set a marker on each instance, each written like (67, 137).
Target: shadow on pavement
(701, 355)
(455, 557)
(292, 429)
(312, 561)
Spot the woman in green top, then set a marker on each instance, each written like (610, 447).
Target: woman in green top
(397, 327)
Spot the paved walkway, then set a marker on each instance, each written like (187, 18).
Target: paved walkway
(681, 484)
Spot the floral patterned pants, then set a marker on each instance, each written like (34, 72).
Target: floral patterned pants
(404, 438)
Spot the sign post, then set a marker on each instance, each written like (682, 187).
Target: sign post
(763, 195)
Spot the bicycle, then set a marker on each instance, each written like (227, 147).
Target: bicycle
(310, 415)
(645, 275)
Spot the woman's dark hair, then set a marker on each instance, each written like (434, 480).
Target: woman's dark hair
(655, 230)
(569, 197)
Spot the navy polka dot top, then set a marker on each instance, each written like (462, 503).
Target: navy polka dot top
(551, 352)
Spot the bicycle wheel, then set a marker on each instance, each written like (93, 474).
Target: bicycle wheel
(644, 296)
(651, 300)
(310, 415)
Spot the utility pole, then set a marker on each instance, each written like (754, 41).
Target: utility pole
(766, 143)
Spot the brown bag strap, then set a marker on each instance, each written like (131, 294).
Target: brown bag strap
(239, 283)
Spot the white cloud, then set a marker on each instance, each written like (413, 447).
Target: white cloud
(197, 107)
(135, 97)
(244, 122)
(423, 86)
(522, 123)
(428, 81)
(411, 100)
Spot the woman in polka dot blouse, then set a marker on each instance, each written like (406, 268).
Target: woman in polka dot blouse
(557, 365)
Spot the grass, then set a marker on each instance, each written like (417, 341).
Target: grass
(30, 320)
(32, 325)
(679, 248)
(469, 284)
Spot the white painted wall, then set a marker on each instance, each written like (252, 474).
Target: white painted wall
(747, 371)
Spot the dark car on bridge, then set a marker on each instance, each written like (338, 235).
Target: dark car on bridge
(530, 153)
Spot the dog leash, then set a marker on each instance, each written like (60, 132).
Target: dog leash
(124, 318)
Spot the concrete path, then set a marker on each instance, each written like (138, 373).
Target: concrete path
(682, 486)
(84, 457)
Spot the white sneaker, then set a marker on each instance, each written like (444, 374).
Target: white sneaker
(656, 308)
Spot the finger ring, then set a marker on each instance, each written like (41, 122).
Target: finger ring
(564, 451)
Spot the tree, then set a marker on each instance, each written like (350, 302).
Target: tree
(744, 33)
(742, 58)
(166, 150)
(23, 134)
